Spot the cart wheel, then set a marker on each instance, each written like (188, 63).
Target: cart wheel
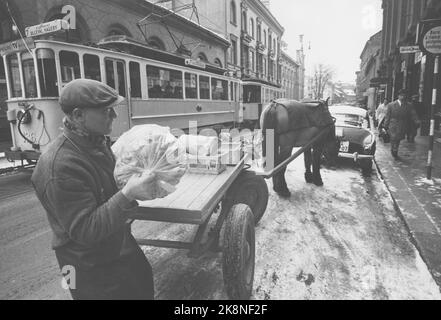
(239, 252)
(252, 190)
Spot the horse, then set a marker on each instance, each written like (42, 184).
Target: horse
(295, 124)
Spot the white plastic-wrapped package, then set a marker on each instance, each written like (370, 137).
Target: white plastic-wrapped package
(153, 149)
(199, 145)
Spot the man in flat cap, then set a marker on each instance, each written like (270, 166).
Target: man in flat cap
(397, 119)
(87, 213)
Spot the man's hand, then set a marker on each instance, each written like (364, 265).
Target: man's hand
(140, 187)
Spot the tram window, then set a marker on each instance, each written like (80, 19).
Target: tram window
(135, 80)
(14, 75)
(251, 94)
(47, 73)
(30, 82)
(204, 85)
(121, 78)
(92, 67)
(191, 86)
(110, 74)
(219, 89)
(70, 66)
(232, 91)
(164, 83)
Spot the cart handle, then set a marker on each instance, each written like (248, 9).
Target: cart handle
(284, 163)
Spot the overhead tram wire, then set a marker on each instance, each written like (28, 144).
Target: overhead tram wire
(18, 29)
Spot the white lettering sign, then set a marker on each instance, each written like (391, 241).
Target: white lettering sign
(46, 28)
(195, 63)
(410, 49)
(432, 40)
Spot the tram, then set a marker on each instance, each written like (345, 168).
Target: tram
(255, 96)
(160, 88)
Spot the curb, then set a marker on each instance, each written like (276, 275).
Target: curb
(413, 239)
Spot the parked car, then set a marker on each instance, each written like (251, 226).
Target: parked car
(357, 141)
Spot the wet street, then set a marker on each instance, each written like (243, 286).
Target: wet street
(341, 241)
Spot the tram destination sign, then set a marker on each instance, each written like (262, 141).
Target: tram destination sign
(16, 46)
(195, 63)
(47, 27)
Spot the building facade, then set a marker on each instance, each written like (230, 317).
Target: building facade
(290, 77)
(413, 72)
(368, 95)
(254, 33)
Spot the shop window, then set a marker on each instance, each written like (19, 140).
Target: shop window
(135, 80)
(47, 73)
(204, 87)
(219, 89)
(14, 75)
(164, 83)
(92, 67)
(70, 66)
(191, 86)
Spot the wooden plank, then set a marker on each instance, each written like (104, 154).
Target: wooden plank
(163, 214)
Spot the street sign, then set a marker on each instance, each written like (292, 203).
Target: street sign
(410, 49)
(16, 46)
(432, 40)
(47, 27)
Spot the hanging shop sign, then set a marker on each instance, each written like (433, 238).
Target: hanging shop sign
(409, 49)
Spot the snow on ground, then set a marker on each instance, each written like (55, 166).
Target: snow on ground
(340, 241)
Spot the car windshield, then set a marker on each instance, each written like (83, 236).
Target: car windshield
(353, 120)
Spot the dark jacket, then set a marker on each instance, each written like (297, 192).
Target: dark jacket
(397, 119)
(87, 214)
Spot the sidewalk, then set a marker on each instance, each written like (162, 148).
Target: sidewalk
(417, 199)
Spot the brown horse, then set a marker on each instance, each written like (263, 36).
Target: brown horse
(295, 124)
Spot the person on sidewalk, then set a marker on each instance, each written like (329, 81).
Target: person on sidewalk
(412, 125)
(397, 119)
(380, 113)
(88, 215)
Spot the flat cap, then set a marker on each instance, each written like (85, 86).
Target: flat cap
(87, 93)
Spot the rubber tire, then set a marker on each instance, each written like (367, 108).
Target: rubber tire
(366, 166)
(239, 252)
(252, 190)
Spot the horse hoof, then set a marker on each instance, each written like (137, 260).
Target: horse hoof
(318, 181)
(308, 177)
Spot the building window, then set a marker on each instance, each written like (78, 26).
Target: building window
(233, 52)
(233, 18)
(252, 62)
(202, 57)
(264, 37)
(251, 27)
(244, 21)
(259, 33)
(218, 62)
(156, 43)
(117, 29)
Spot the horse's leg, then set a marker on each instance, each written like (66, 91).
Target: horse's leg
(307, 157)
(279, 182)
(316, 157)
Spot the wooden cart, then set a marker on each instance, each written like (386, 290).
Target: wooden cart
(242, 197)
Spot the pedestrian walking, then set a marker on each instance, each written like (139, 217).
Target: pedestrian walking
(397, 119)
(87, 213)
(380, 113)
(412, 125)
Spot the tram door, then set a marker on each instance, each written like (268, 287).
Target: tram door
(116, 77)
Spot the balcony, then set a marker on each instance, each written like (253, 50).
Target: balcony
(246, 37)
(260, 46)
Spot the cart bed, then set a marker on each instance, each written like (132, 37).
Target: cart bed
(194, 200)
